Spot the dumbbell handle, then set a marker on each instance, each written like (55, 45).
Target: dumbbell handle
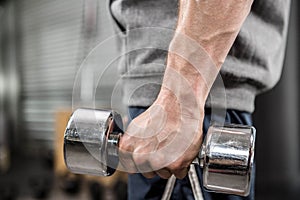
(92, 138)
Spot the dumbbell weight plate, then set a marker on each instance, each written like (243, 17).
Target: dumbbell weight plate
(227, 157)
(90, 142)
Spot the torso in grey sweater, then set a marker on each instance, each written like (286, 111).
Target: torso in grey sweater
(253, 65)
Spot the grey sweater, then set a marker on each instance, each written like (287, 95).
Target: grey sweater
(253, 65)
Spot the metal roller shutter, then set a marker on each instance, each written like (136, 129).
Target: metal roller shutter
(52, 46)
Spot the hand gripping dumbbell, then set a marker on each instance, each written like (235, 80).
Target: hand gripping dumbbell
(226, 156)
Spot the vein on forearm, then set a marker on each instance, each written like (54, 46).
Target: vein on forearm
(214, 24)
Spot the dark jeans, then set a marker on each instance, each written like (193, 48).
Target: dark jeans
(140, 187)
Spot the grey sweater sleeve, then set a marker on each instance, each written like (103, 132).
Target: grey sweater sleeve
(253, 65)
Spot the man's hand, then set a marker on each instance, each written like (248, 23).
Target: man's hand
(165, 139)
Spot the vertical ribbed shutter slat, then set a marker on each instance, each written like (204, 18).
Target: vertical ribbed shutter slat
(50, 36)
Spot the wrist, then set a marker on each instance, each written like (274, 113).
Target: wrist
(185, 80)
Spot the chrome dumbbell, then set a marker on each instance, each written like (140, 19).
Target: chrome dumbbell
(91, 147)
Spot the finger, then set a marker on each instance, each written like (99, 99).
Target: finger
(181, 173)
(164, 173)
(127, 166)
(142, 163)
(149, 174)
(126, 162)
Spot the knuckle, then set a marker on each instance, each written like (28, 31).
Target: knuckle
(177, 165)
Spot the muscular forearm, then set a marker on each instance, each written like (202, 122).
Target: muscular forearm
(212, 25)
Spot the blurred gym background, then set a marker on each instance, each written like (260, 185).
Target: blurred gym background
(43, 43)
